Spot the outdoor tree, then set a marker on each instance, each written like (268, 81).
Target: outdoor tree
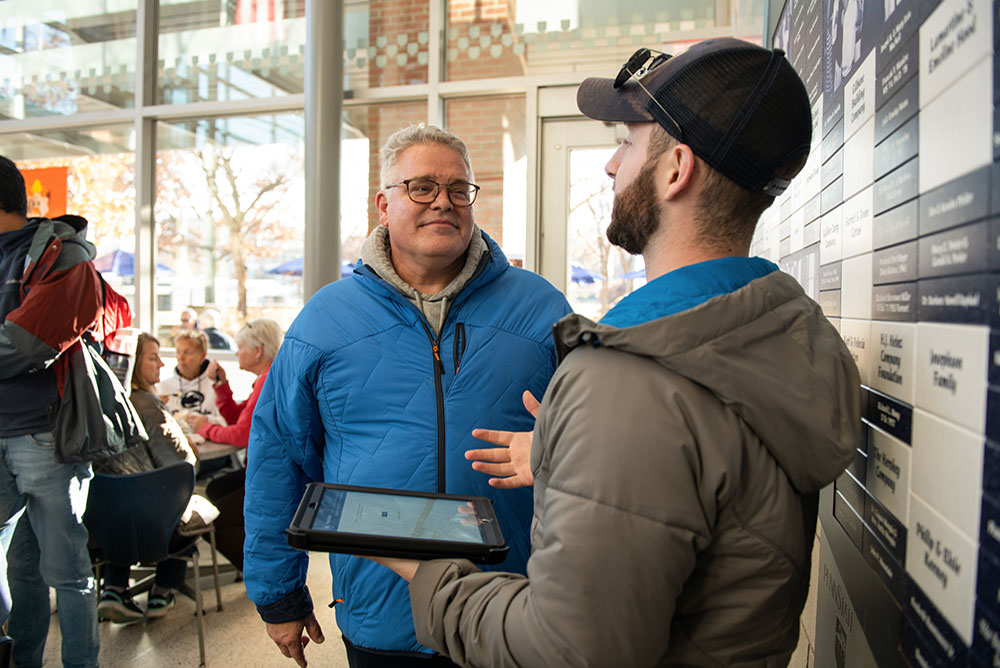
(100, 188)
(224, 202)
(591, 245)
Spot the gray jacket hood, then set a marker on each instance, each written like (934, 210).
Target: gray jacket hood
(768, 353)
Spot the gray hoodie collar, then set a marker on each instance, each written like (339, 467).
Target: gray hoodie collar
(376, 252)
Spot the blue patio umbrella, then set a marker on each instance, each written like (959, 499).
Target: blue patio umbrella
(638, 273)
(122, 263)
(580, 275)
(293, 267)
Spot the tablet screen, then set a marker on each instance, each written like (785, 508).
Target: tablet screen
(399, 516)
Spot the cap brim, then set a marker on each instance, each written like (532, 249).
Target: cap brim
(600, 100)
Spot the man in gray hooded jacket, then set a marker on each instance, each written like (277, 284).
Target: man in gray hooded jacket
(682, 442)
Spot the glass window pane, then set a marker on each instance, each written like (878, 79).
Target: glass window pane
(364, 131)
(493, 129)
(385, 43)
(66, 58)
(599, 274)
(516, 38)
(89, 173)
(230, 200)
(750, 21)
(230, 50)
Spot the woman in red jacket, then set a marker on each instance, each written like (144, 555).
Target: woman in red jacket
(257, 344)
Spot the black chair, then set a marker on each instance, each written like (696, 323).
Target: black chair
(133, 517)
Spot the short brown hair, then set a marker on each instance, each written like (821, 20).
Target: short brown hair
(727, 212)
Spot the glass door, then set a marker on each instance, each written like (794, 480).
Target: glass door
(576, 200)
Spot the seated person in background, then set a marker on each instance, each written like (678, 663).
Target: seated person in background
(166, 445)
(217, 339)
(189, 389)
(188, 321)
(256, 345)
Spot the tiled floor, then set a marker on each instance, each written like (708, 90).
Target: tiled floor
(233, 637)
(236, 636)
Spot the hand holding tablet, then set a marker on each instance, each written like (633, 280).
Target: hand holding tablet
(395, 523)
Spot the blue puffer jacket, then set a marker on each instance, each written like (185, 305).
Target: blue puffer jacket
(354, 397)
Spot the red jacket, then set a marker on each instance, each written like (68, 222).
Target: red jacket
(238, 415)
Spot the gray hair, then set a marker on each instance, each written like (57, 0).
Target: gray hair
(264, 333)
(400, 140)
(209, 318)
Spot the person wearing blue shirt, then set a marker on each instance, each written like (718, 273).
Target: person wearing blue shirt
(683, 440)
(380, 381)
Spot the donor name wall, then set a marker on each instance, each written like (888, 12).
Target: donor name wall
(894, 228)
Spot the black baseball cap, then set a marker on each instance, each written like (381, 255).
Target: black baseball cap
(740, 107)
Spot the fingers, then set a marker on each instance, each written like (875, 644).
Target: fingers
(290, 640)
(488, 455)
(531, 404)
(293, 650)
(512, 482)
(314, 630)
(493, 436)
(503, 469)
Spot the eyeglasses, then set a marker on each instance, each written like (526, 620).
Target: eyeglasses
(425, 191)
(641, 63)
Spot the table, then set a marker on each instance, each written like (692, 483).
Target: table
(211, 450)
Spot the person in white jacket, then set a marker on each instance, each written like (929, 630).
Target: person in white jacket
(191, 389)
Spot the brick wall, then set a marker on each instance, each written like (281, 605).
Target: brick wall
(483, 123)
(377, 122)
(395, 21)
(488, 25)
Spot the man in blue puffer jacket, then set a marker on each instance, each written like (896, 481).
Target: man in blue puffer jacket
(380, 381)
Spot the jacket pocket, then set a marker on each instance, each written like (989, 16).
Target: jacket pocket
(459, 348)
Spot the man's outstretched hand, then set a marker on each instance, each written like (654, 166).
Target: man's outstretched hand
(510, 464)
(290, 639)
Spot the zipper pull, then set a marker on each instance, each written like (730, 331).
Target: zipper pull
(437, 358)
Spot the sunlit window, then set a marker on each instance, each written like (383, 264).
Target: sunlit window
(230, 50)
(493, 129)
(88, 173)
(229, 207)
(66, 58)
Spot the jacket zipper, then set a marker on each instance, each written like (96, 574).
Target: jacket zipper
(459, 348)
(439, 366)
(439, 392)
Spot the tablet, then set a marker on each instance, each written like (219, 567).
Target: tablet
(377, 522)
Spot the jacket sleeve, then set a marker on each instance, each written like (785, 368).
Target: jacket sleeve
(236, 432)
(167, 443)
(620, 517)
(286, 441)
(229, 409)
(56, 310)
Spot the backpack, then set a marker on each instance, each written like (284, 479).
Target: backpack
(95, 418)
